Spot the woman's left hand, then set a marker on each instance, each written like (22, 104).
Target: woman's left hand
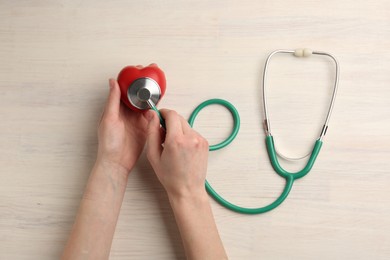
(121, 133)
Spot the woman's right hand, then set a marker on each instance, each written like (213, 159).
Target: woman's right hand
(181, 164)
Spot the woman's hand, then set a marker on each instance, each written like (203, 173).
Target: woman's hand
(121, 133)
(181, 167)
(182, 164)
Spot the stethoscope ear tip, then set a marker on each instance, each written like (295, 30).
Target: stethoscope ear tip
(303, 52)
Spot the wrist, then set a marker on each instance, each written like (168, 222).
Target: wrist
(114, 170)
(185, 200)
(104, 179)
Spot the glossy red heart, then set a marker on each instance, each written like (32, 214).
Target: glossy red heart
(131, 73)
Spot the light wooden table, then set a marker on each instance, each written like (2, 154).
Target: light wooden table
(56, 58)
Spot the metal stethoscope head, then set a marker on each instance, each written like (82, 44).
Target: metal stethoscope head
(299, 53)
(144, 93)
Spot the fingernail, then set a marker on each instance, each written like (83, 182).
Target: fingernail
(111, 82)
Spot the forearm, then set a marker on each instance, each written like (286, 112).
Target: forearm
(197, 227)
(94, 227)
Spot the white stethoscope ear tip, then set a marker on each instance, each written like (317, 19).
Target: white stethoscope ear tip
(303, 52)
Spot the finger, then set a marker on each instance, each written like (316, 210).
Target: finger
(114, 99)
(162, 135)
(185, 125)
(172, 123)
(153, 139)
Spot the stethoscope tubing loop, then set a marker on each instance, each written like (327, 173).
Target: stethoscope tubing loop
(233, 111)
(236, 126)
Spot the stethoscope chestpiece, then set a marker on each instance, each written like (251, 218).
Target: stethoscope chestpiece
(142, 87)
(143, 92)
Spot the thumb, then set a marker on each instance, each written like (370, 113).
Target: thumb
(153, 139)
(114, 99)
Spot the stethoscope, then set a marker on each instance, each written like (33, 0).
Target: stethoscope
(143, 87)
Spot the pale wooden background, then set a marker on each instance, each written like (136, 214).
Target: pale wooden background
(56, 58)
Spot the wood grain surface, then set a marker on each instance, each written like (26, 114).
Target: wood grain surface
(55, 61)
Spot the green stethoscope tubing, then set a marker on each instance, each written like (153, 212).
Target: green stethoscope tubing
(290, 177)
